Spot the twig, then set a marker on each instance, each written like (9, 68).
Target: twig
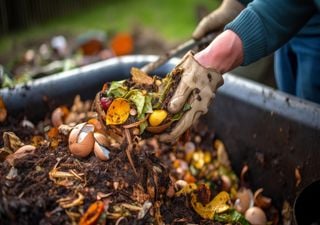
(129, 149)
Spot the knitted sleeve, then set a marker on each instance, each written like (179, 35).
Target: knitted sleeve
(264, 26)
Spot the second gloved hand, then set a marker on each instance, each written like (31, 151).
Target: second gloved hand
(217, 19)
(196, 87)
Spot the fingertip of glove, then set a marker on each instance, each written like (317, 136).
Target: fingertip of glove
(196, 35)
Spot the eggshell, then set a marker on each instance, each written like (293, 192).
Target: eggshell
(81, 140)
(100, 150)
(256, 216)
(101, 139)
(244, 200)
(56, 117)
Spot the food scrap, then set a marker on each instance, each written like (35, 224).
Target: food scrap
(138, 103)
(98, 173)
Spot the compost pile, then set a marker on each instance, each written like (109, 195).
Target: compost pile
(138, 181)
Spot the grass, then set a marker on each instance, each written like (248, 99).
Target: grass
(172, 20)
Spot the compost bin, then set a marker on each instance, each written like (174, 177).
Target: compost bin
(276, 135)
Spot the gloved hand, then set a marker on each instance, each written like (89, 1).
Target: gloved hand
(197, 87)
(216, 20)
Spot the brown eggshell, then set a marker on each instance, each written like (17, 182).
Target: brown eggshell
(260, 200)
(81, 140)
(256, 216)
(244, 200)
(100, 149)
(56, 117)
(101, 139)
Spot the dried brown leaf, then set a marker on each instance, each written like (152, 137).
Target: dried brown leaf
(20, 153)
(3, 110)
(140, 77)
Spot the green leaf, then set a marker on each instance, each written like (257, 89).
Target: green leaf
(138, 99)
(178, 115)
(7, 81)
(147, 108)
(143, 126)
(186, 107)
(225, 171)
(117, 89)
(231, 216)
(163, 90)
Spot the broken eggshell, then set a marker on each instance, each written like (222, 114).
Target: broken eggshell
(99, 146)
(58, 115)
(260, 200)
(256, 216)
(81, 140)
(244, 200)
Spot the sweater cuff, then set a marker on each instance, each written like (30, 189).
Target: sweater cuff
(250, 29)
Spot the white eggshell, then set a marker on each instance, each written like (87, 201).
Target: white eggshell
(256, 216)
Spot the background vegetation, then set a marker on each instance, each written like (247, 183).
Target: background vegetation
(172, 20)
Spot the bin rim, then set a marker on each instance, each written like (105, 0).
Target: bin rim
(242, 89)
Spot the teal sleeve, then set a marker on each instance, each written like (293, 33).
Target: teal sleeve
(264, 26)
(245, 2)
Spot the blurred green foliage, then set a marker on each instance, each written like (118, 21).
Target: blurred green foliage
(173, 20)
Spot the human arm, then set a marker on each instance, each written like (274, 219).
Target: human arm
(217, 19)
(265, 26)
(240, 44)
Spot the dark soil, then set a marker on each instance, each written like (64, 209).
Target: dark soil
(34, 195)
(31, 197)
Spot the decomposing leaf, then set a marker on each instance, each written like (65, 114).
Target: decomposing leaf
(145, 208)
(297, 176)
(222, 153)
(53, 132)
(11, 141)
(3, 110)
(117, 89)
(163, 90)
(21, 152)
(147, 108)
(140, 77)
(118, 112)
(217, 205)
(69, 202)
(189, 188)
(204, 194)
(138, 99)
(231, 217)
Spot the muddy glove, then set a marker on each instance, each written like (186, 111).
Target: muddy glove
(197, 87)
(216, 20)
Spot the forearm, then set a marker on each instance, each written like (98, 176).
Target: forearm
(223, 54)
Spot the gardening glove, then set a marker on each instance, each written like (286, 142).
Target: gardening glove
(217, 19)
(196, 87)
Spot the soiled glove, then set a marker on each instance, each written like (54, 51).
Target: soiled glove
(197, 87)
(217, 19)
